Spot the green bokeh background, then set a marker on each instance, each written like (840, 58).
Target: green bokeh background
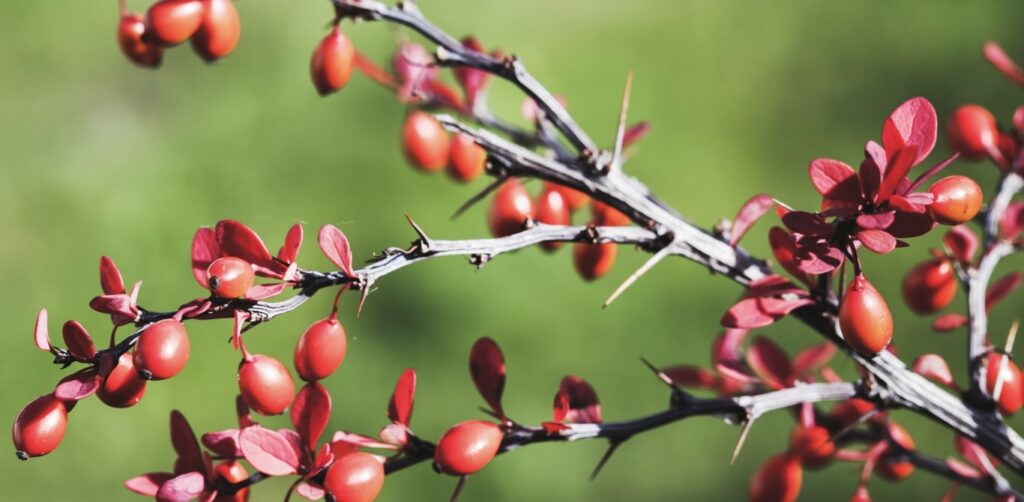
(99, 157)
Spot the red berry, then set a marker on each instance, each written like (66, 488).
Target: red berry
(890, 468)
(171, 22)
(355, 477)
(930, 286)
(509, 209)
(219, 30)
(861, 495)
(265, 385)
(575, 199)
(957, 200)
(40, 427)
(425, 142)
(971, 131)
(608, 215)
(320, 350)
(467, 447)
(1010, 393)
(230, 277)
(162, 350)
(812, 445)
(466, 159)
(865, 318)
(123, 387)
(130, 33)
(777, 480)
(232, 471)
(332, 61)
(593, 261)
(552, 210)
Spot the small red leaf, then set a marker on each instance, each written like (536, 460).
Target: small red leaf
(878, 221)
(690, 376)
(784, 250)
(962, 243)
(1001, 289)
(148, 484)
(835, 180)
(963, 470)
(934, 368)
(42, 332)
(78, 385)
(1002, 62)
(310, 491)
(584, 407)
(949, 322)
(560, 409)
(748, 314)
(292, 242)
(813, 358)
(806, 223)
(264, 291)
(635, 133)
(204, 251)
(781, 306)
(400, 406)
(751, 211)
(336, 248)
(899, 165)
(223, 443)
(183, 439)
(913, 124)
(268, 451)
(110, 277)
(1012, 222)
(78, 341)
(118, 304)
(726, 354)
(972, 452)
(182, 488)
(487, 367)
(236, 239)
(770, 362)
(310, 413)
(879, 241)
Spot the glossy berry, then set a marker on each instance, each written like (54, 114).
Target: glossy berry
(467, 447)
(510, 208)
(355, 477)
(593, 261)
(425, 142)
(552, 210)
(1010, 393)
(575, 199)
(265, 384)
(130, 33)
(777, 480)
(466, 159)
(162, 350)
(39, 427)
(232, 471)
(123, 387)
(972, 131)
(608, 215)
(332, 62)
(320, 350)
(171, 22)
(865, 318)
(812, 445)
(230, 277)
(861, 495)
(957, 200)
(930, 286)
(218, 31)
(890, 468)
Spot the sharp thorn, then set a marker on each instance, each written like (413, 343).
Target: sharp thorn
(458, 488)
(478, 197)
(620, 130)
(604, 459)
(419, 231)
(650, 263)
(362, 298)
(742, 439)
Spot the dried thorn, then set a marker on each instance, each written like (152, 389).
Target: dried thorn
(742, 439)
(362, 298)
(620, 131)
(647, 266)
(458, 488)
(604, 459)
(478, 197)
(424, 239)
(251, 325)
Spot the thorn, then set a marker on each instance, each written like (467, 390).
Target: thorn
(650, 263)
(739, 443)
(620, 130)
(660, 374)
(458, 488)
(478, 197)
(1007, 348)
(362, 298)
(604, 459)
(419, 231)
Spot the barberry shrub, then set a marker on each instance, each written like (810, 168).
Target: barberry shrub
(845, 387)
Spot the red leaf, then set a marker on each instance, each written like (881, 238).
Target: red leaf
(813, 358)
(817, 256)
(878, 241)
(110, 277)
(972, 452)
(934, 368)
(310, 413)
(690, 376)
(911, 225)
(183, 439)
(148, 484)
(751, 211)
(635, 133)
(264, 291)
(1012, 222)
(182, 488)
(584, 406)
(726, 354)
(962, 243)
(223, 443)
(268, 451)
(78, 341)
(400, 406)
(204, 251)
(336, 248)
(41, 332)
(487, 367)
(240, 241)
(1002, 62)
(949, 322)
(899, 165)
(561, 406)
(781, 306)
(1001, 289)
(748, 314)
(879, 221)
(835, 180)
(352, 439)
(913, 124)
(118, 304)
(769, 362)
(292, 242)
(963, 470)
(871, 169)
(806, 223)
(78, 385)
(784, 250)
(310, 491)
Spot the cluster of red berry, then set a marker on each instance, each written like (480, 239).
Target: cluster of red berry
(212, 26)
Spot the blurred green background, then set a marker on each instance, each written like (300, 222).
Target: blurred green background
(99, 157)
